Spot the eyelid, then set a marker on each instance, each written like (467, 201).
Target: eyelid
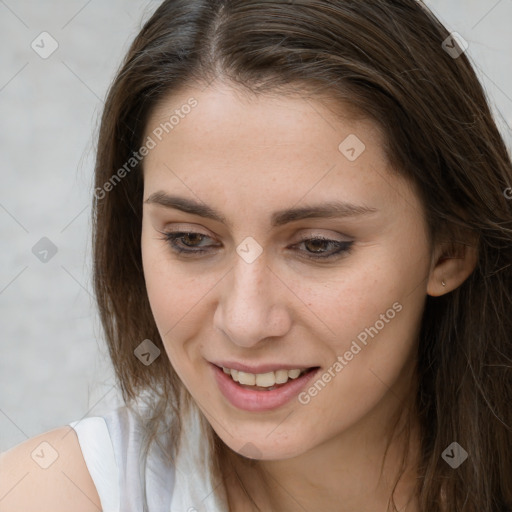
(190, 228)
(344, 247)
(308, 236)
(194, 228)
(303, 237)
(185, 227)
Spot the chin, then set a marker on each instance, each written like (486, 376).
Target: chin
(257, 444)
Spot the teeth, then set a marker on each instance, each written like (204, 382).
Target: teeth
(293, 374)
(247, 379)
(281, 376)
(264, 380)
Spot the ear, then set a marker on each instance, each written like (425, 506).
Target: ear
(452, 263)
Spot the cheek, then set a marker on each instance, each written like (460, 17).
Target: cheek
(177, 293)
(166, 290)
(373, 316)
(353, 297)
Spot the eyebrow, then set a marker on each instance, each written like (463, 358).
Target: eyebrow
(328, 210)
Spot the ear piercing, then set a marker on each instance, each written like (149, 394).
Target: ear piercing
(443, 283)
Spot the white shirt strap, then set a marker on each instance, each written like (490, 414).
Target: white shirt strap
(98, 452)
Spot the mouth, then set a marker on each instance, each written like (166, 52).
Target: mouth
(265, 391)
(265, 381)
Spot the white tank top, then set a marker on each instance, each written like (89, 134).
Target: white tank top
(111, 445)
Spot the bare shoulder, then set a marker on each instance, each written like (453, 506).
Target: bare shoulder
(47, 473)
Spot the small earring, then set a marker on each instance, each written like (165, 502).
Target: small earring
(443, 283)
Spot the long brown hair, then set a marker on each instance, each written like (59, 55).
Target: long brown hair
(386, 59)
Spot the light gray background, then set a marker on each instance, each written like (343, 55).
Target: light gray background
(54, 367)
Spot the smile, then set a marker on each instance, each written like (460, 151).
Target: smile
(264, 381)
(259, 392)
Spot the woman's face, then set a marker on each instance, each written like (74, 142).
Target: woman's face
(304, 252)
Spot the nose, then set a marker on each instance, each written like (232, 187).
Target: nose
(252, 305)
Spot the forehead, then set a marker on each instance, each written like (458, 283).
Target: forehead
(265, 148)
(258, 121)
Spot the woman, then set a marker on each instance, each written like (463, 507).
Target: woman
(302, 260)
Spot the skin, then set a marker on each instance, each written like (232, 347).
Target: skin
(63, 484)
(249, 157)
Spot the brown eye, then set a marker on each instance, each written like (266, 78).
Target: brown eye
(317, 248)
(189, 239)
(186, 242)
(316, 245)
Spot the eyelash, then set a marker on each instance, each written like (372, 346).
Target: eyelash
(170, 237)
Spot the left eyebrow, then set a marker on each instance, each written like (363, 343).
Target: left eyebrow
(328, 210)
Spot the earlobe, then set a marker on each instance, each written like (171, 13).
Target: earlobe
(452, 264)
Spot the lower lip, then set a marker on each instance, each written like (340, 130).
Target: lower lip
(257, 401)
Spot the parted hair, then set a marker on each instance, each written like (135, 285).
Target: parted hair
(386, 60)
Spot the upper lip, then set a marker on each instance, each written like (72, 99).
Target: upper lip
(260, 368)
